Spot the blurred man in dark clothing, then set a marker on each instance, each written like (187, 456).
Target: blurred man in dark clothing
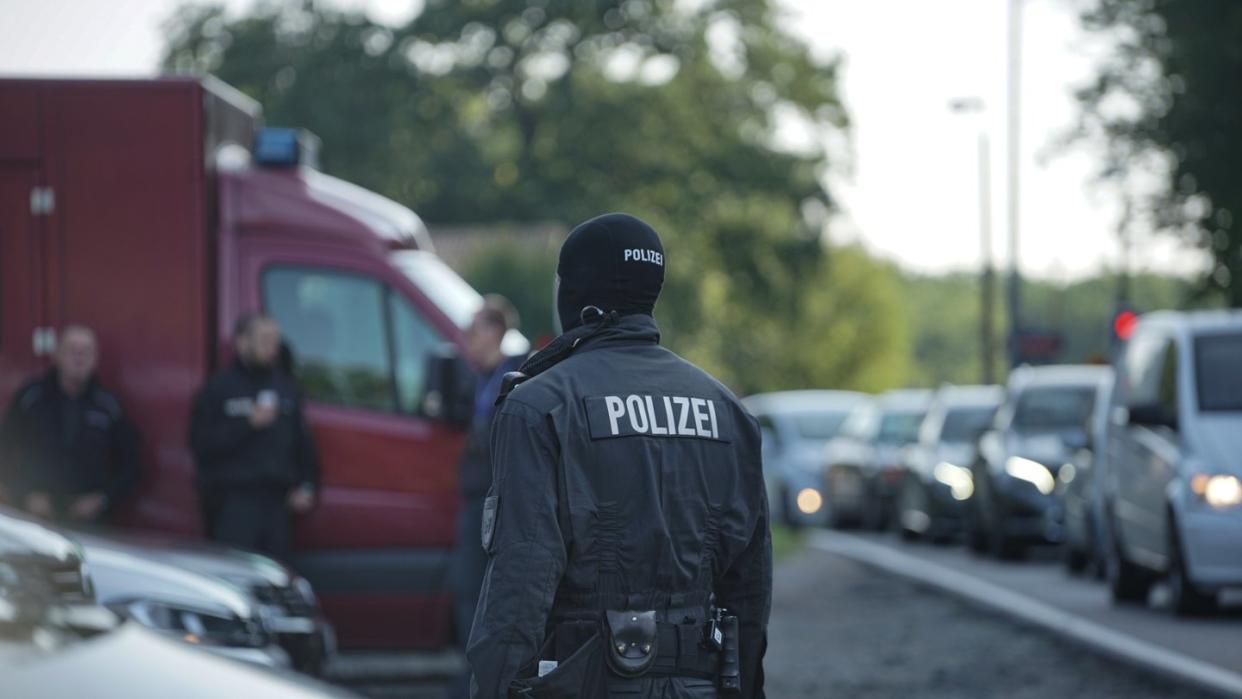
(67, 449)
(255, 458)
(482, 351)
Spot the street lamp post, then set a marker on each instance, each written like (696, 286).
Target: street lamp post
(1013, 162)
(986, 282)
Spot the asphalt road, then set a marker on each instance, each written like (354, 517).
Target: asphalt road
(844, 628)
(841, 628)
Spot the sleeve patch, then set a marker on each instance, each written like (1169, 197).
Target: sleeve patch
(490, 506)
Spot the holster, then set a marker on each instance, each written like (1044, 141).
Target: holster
(633, 642)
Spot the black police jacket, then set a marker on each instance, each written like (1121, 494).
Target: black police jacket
(229, 452)
(63, 446)
(625, 477)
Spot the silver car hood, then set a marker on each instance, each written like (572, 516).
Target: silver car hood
(238, 567)
(123, 573)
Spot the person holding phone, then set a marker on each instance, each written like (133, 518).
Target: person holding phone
(254, 456)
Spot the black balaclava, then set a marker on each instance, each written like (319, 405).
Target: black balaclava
(613, 262)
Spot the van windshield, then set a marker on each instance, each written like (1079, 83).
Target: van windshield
(1218, 372)
(450, 293)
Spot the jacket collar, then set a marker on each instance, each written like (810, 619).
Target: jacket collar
(633, 329)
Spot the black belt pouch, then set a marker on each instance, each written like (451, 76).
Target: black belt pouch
(581, 674)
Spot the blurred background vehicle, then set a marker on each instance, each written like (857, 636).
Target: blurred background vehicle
(1077, 516)
(1041, 425)
(864, 462)
(796, 426)
(937, 483)
(1174, 498)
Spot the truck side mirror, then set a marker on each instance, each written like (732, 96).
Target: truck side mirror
(450, 387)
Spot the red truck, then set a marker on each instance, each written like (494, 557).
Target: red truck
(156, 212)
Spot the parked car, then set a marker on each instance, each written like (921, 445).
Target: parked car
(1041, 425)
(55, 640)
(796, 425)
(40, 570)
(864, 462)
(1077, 516)
(168, 195)
(937, 484)
(129, 660)
(1174, 492)
(211, 597)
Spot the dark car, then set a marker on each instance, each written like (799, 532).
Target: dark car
(864, 462)
(937, 484)
(1077, 518)
(1041, 425)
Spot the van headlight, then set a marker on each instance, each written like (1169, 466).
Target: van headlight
(1032, 472)
(197, 626)
(960, 481)
(1218, 491)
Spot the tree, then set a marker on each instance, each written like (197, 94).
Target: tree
(1168, 95)
(558, 110)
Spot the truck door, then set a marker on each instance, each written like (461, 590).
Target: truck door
(378, 545)
(23, 332)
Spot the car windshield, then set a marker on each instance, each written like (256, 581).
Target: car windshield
(1218, 372)
(965, 424)
(818, 424)
(1054, 407)
(900, 427)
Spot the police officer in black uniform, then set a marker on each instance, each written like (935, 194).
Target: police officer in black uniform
(627, 522)
(255, 457)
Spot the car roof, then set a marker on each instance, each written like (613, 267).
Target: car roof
(1059, 375)
(952, 396)
(1193, 322)
(797, 401)
(905, 399)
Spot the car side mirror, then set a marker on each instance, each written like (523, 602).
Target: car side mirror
(450, 387)
(1151, 415)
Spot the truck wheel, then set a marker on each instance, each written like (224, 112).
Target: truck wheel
(1128, 583)
(1187, 599)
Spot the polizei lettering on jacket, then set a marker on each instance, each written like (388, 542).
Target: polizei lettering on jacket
(641, 415)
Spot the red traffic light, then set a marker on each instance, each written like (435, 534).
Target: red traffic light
(1123, 324)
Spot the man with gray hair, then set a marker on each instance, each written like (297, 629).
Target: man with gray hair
(67, 450)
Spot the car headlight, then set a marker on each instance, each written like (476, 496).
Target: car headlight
(809, 501)
(196, 626)
(960, 481)
(304, 590)
(1032, 472)
(1218, 491)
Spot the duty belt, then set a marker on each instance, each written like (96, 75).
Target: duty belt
(679, 649)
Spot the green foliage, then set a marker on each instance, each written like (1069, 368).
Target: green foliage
(944, 319)
(523, 274)
(491, 111)
(1169, 95)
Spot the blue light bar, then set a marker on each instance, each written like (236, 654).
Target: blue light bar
(285, 147)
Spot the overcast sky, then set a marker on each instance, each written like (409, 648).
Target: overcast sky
(911, 191)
